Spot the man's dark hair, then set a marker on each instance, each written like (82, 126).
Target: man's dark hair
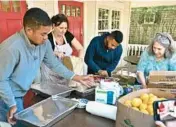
(58, 19)
(36, 17)
(117, 35)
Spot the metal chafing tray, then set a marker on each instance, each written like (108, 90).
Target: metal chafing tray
(48, 89)
(47, 112)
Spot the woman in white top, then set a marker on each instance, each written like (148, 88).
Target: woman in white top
(62, 40)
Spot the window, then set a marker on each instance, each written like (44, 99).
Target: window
(103, 19)
(63, 9)
(10, 6)
(73, 11)
(108, 20)
(70, 10)
(78, 11)
(5, 6)
(16, 6)
(115, 19)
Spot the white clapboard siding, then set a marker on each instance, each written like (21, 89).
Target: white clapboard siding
(48, 6)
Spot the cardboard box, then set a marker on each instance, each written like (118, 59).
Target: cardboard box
(162, 79)
(162, 76)
(128, 117)
(172, 91)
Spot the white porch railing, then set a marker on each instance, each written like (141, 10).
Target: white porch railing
(135, 49)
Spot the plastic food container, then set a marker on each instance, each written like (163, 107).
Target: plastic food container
(48, 89)
(47, 112)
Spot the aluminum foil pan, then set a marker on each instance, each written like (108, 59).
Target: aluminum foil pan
(47, 112)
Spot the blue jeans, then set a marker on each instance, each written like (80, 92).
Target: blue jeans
(4, 109)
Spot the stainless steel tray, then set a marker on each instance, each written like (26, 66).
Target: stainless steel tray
(47, 112)
(46, 89)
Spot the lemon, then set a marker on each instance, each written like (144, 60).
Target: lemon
(143, 106)
(135, 108)
(150, 109)
(136, 102)
(151, 100)
(155, 97)
(144, 111)
(128, 103)
(162, 98)
(150, 95)
(145, 101)
(144, 97)
(151, 113)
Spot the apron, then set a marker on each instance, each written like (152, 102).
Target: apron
(50, 76)
(66, 48)
(76, 66)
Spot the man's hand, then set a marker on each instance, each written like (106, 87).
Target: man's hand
(86, 80)
(159, 124)
(10, 115)
(103, 73)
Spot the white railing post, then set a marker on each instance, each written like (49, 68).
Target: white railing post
(135, 49)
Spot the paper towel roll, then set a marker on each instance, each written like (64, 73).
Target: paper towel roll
(100, 109)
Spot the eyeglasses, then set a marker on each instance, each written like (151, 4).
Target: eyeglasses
(163, 36)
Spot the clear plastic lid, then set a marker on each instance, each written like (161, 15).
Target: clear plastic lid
(50, 88)
(44, 112)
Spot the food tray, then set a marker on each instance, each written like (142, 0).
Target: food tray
(98, 78)
(47, 112)
(87, 92)
(47, 89)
